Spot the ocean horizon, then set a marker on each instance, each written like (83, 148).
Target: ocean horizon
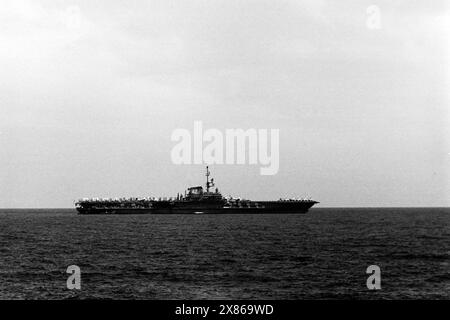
(323, 254)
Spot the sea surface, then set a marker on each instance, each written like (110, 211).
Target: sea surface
(321, 255)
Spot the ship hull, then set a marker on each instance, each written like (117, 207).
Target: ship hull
(273, 207)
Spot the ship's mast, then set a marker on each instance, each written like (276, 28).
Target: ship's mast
(207, 179)
(208, 184)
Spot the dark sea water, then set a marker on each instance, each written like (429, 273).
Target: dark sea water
(323, 254)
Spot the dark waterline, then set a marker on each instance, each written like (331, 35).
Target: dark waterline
(323, 254)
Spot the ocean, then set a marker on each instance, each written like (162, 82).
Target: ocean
(321, 255)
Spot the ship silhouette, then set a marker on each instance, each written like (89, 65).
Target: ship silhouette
(195, 200)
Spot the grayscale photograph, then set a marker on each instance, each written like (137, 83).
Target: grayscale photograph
(202, 152)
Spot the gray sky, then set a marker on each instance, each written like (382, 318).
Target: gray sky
(91, 91)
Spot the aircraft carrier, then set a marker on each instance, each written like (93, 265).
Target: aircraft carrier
(195, 200)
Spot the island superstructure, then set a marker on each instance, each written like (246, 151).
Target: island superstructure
(195, 200)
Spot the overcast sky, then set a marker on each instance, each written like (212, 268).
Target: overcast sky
(91, 91)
